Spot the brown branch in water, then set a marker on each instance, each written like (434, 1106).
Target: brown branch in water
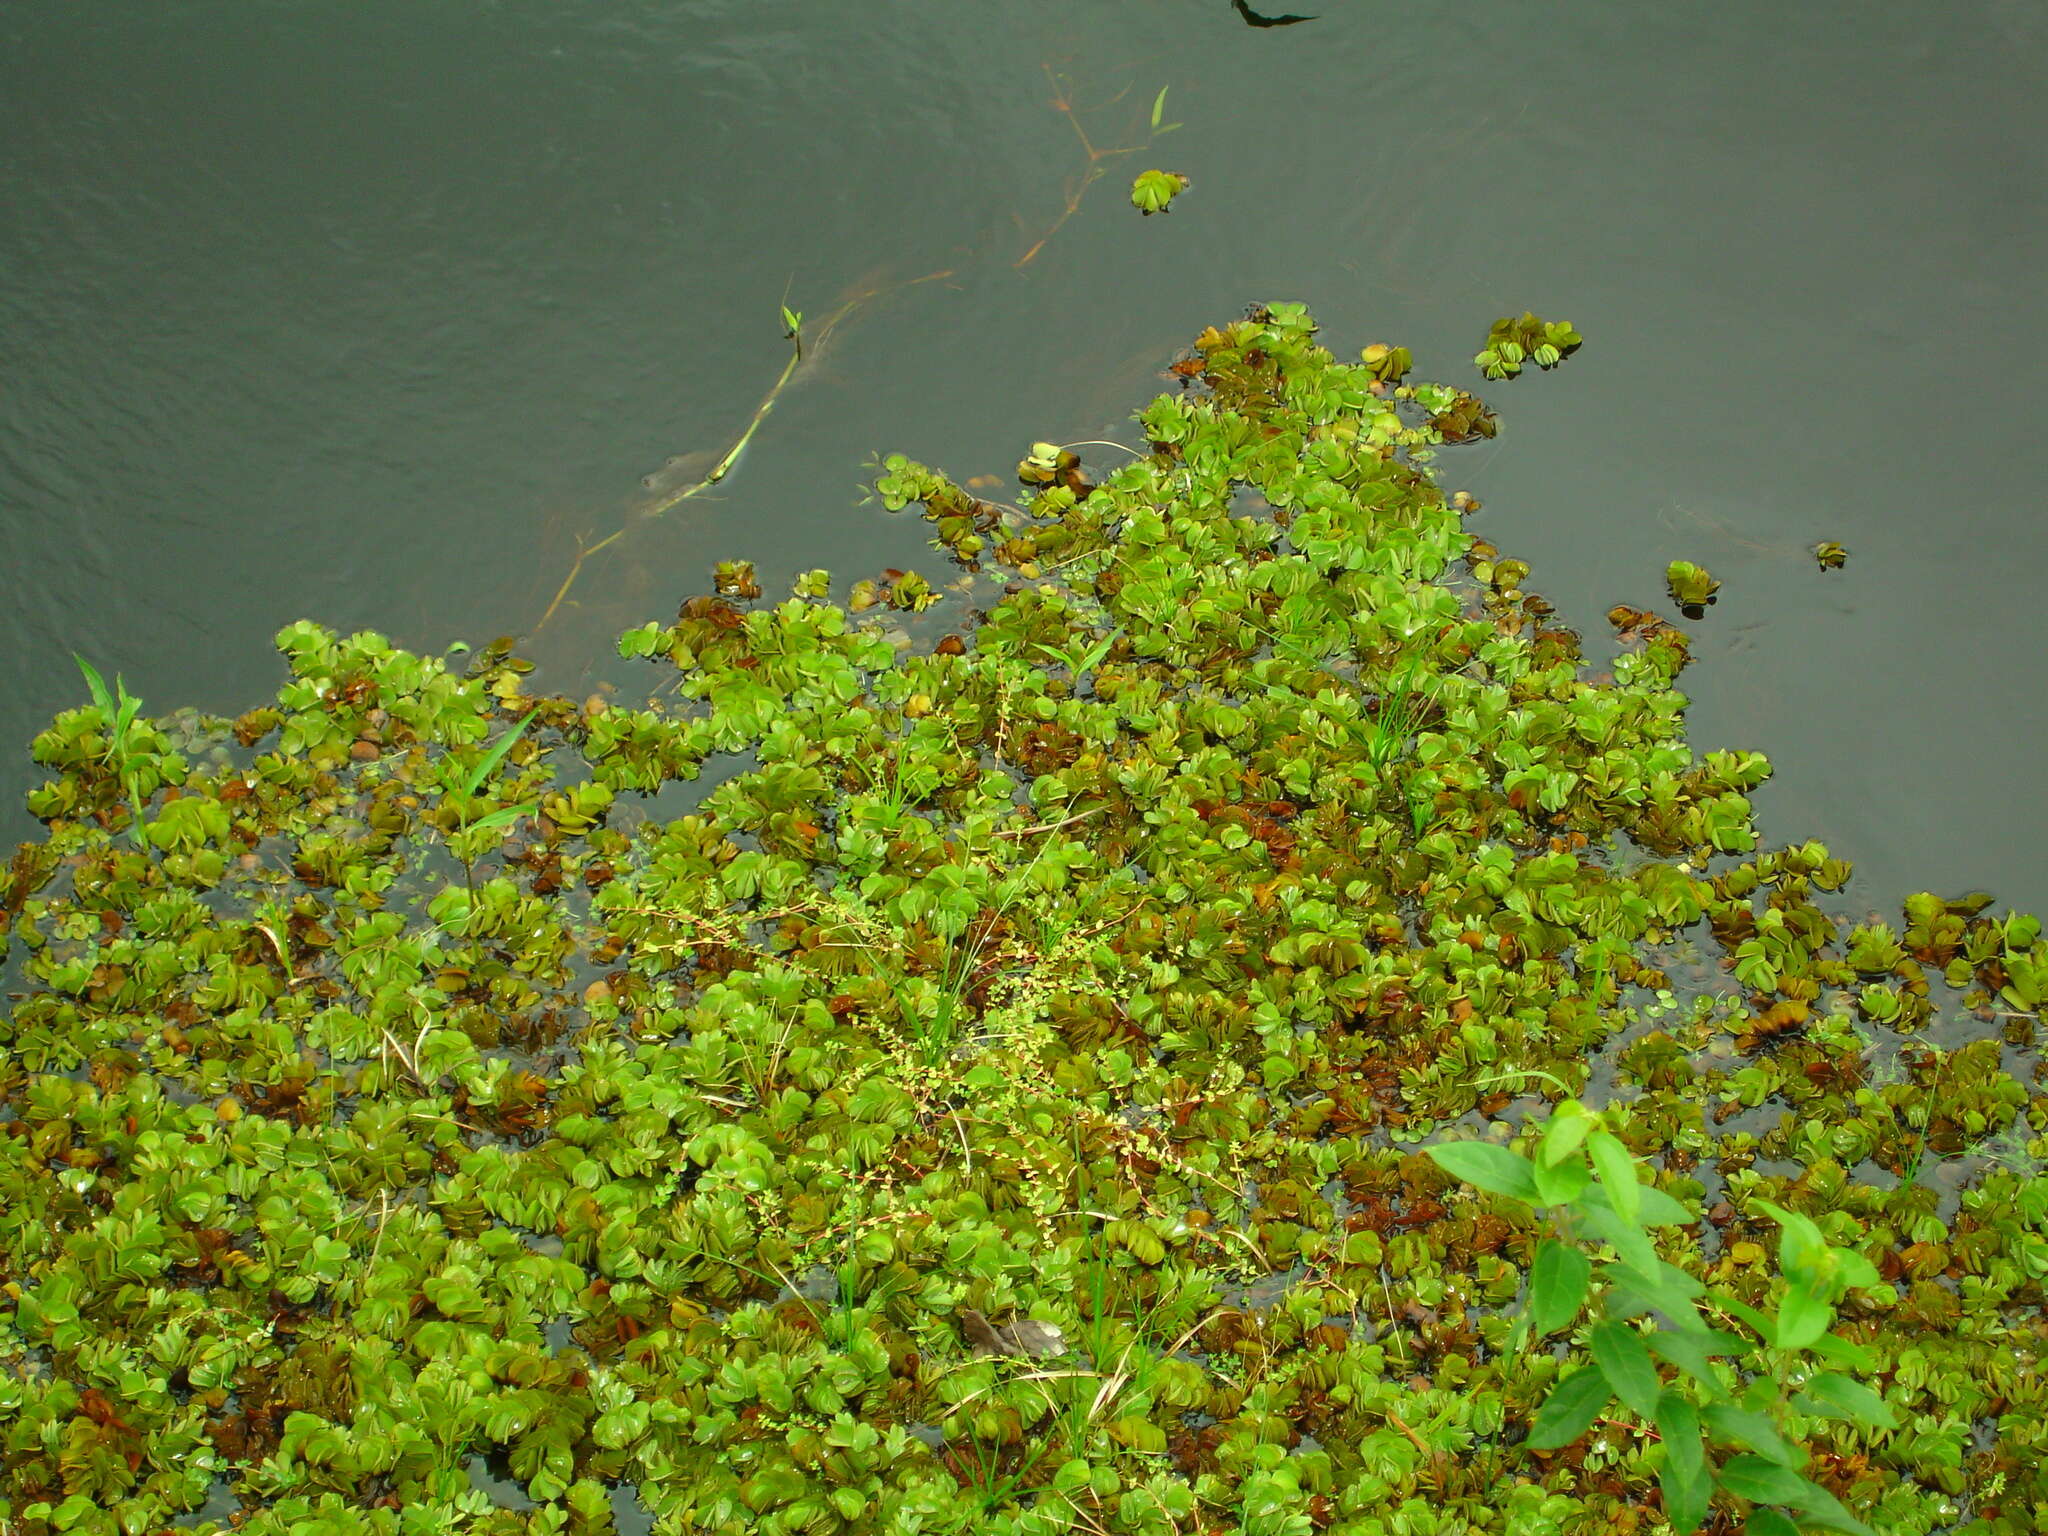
(1052, 826)
(576, 569)
(1093, 171)
(1414, 1439)
(723, 467)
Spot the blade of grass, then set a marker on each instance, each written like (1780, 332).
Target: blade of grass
(488, 763)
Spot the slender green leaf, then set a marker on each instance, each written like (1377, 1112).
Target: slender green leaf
(1837, 1350)
(1678, 1422)
(1802, 1316)
(1560, 1183)
(1557, 1286)
(1824, 1509)
(1854, 1270)
(1659, 1209)
(1765, 1325)
(1574, 1403)
(1802, 1250)
(1569, 1123)
(1766, 1482)
(1685, 1480)
(1692, 1352)
(1686, 1496)
(1654, 1207)
(488, 763)
(1769, 1522)
(1489, 1167)
(100, 697)
(1630, 1243)
(1834, 1396)
(1630, 1294)
(1617, 1172)
(1746, 1426)
(503, 817)
(1625, 1361)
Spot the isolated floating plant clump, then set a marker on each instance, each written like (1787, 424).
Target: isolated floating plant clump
(1000, 1102)
(1512, 342)
(1154, 191)
(1690, 586)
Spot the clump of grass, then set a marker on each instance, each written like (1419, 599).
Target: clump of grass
(1404, 703)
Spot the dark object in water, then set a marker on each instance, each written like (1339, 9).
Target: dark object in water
(1253, 19)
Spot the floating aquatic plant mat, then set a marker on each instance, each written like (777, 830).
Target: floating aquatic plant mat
(1003, 1106)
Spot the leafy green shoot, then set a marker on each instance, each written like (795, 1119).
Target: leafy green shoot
(488, 764)
(117, 718)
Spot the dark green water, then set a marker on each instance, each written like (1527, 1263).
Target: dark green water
(365, 313)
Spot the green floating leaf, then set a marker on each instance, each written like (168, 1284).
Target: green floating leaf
(1388, 365)
(1530, 338)
(1829, 555)
(1690, 585)
(1154, 191)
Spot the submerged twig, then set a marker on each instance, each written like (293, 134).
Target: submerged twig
(1092, 172)
(720, 469)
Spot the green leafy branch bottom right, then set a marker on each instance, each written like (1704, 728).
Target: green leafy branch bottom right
(1584, 1175)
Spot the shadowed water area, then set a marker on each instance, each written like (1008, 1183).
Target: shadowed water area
(369, 314)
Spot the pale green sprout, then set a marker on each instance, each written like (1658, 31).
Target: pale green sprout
(474, 836)
(1159, 111)
(118, 719)
(1079, 662)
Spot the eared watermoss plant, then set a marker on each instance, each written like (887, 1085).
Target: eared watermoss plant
(1086, 1069)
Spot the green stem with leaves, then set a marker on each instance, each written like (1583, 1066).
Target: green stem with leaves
(1583, 1173)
